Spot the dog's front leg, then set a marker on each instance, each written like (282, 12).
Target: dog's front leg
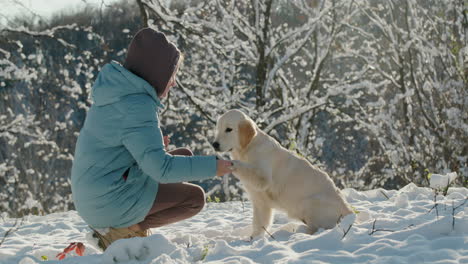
(261, 218)
(250, 175)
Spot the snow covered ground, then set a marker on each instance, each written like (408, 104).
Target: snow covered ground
(401, 226)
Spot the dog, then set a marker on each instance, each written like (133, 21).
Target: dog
(276, 178)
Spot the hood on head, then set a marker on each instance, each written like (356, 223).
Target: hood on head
(114, 82)
(152, 57)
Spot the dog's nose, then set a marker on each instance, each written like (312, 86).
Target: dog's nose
(216, 146)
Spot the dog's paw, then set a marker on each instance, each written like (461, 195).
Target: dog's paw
(257, 233)
(238, 165)
(235, 165)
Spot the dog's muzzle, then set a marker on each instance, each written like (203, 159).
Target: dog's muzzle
(215, 146)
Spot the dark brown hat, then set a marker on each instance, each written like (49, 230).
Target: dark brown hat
(152, 57)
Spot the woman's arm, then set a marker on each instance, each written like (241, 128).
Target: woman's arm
(142, 137)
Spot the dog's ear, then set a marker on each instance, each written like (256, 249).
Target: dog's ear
(246, 132)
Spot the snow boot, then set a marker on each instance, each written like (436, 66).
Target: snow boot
(104, 240)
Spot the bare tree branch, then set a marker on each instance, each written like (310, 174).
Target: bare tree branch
(49, 33)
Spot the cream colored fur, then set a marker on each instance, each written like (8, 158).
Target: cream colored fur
(276, 178)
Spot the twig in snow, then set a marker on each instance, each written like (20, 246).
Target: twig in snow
(437, 211)
(11, 230)
(462, 204)
(435, 205)
(453, 211)
(346, 232)
(373, 227)
(374, 230)
(384, 195)
(453, 216)
(445, 191)
(268, 233)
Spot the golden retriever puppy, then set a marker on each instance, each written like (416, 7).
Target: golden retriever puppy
(276, 178)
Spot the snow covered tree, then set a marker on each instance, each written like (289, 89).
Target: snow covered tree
(418, 54)
(40, 98)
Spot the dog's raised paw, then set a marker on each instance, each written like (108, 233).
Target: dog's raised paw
(235, 165)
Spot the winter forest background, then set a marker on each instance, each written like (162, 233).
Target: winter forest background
(372, 91)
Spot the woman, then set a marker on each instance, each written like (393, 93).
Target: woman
(123, 180)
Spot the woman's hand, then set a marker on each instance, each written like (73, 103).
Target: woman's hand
(166, 141)
(223, 167)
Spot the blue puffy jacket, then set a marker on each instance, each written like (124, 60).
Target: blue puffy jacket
(121, 131)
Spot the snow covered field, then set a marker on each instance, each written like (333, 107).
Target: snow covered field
(401, 226)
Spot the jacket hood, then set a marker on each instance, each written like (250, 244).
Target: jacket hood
(115, 82)
(152, 57)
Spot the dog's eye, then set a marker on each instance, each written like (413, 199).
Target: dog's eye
(228, 130)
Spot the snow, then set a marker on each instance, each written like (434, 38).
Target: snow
(410, 225)
(438, 181)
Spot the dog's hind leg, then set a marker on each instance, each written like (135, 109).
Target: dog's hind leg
(311, 228)
(321, 213)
